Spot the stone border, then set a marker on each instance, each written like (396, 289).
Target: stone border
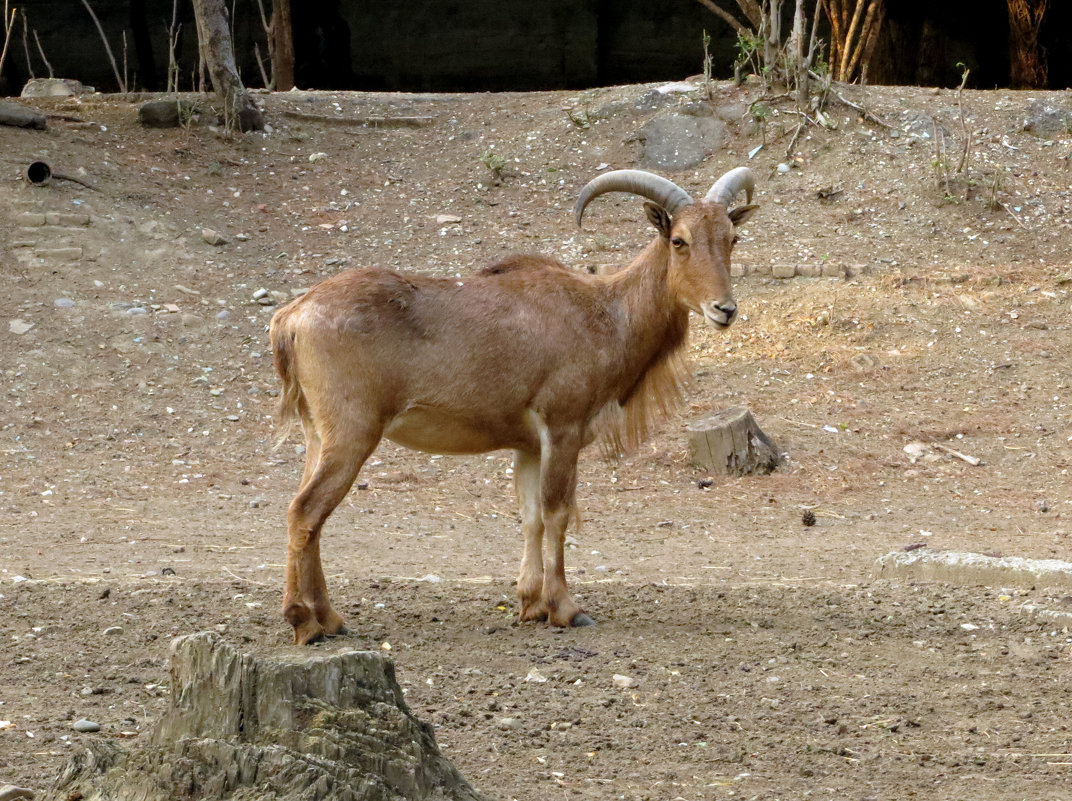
(974, 569)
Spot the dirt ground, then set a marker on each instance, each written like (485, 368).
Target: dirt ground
(140, 496)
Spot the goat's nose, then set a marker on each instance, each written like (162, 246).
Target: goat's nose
(728, 309)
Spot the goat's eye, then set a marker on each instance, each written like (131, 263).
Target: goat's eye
(677, 242)
(735, 240)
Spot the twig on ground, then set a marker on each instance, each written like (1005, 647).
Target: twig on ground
(1013, 215)
(869, 115)
(972, 460)
(364, 122)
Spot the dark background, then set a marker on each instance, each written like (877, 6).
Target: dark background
(497, 45)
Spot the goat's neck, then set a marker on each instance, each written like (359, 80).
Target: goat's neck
(650, 312)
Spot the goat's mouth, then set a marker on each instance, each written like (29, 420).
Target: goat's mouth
(719, 315)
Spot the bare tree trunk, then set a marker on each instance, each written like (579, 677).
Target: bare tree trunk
(854, 29)
(214, 38)
(1027, 60)
(281, 34)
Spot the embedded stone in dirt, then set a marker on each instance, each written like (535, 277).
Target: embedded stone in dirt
(322, 727)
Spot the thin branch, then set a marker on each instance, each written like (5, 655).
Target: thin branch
(724, 15)
(8, 28)
(26, 46)
(107, 47)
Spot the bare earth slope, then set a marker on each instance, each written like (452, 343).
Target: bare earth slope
(140, 497)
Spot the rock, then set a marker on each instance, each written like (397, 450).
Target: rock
(67, 219)
(54, 87)
(678, 141)
(624, 682)
(732, 442)
(222, 315)
(1046, 119)
(18, 116)
(19, 326)
(9, 792)
(301, 724)
(447, 219)
(974, 568)
(166, 113)
(536, 676)
(112, 631)
(508, 723)
(212, 237)
(783, 270)
(63, 303)
(31, 219)
(85, 726)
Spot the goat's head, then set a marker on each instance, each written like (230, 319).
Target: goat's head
(698, 234)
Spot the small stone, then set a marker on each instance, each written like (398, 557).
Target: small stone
(19, 326)
(222, 315)
(783, 168)
(111, 631)
(624, 682)
(431, 578)
(136, 310)
(212, 237)
(316, 157)
(85, 726)
(63, 303)
(447, 219)
(536, 676)
(508, 723)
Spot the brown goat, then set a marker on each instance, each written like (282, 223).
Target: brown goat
(525, 355)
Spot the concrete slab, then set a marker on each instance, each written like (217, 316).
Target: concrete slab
(974, 568)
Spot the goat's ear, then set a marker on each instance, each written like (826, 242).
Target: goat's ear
(742, 213)
(659, 218)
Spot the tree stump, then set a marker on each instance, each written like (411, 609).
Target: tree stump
(302, 726)
(732, 442)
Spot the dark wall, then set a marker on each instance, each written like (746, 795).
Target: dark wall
(486, 45)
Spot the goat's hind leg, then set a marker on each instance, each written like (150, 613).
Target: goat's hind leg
(324, 485)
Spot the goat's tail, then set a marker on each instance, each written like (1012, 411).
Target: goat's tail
(292, 403)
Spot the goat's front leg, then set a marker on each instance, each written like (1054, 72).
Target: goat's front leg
(558, 482)
(530, 579)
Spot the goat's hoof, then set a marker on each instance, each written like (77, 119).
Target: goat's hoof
(581, 619)
(309, 635)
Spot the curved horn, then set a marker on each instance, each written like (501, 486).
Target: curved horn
(729, 186)
(638, 182)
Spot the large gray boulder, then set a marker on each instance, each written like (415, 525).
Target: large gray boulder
(301, 726)
(679, 140)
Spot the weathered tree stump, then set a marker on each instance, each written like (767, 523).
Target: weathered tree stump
(732, 442)
(297, 726)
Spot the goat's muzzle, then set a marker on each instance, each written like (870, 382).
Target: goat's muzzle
(719, 314)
